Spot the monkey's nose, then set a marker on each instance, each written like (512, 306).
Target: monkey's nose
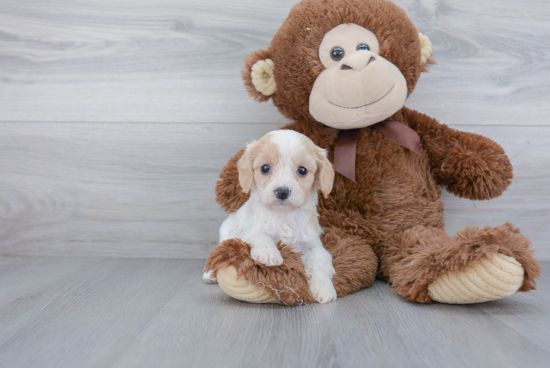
(358, 61)
(282, 193)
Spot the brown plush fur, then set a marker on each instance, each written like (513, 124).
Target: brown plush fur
(294, 48)
(392, 214)
(248, 63)
(288, 283)
(351, 256)
(229, 196)
(422, 253)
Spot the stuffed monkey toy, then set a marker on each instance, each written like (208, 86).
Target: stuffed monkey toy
(341, 71)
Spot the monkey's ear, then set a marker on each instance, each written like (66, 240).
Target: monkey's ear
(425, 51)
(259, 75)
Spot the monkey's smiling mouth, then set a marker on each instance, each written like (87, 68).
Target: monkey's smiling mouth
(370, 103)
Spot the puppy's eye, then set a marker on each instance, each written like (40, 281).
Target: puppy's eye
(363, 46)
(265, 169)
(337, 53)
(302, 171)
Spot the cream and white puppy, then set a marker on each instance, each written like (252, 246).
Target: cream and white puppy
(283, 172)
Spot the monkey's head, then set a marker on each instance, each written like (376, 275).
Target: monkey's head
(344, 63)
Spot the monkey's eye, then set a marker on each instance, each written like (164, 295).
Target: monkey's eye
(302, 171)
(337, 53)
(363, 46)
(265, 169)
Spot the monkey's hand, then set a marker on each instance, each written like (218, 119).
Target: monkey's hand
(468, 165)
(474, 167)
(229, 193)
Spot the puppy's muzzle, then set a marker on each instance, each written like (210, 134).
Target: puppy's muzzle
(282, 193)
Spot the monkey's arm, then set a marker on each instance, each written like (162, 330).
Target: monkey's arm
(468, 165)
(229, 193)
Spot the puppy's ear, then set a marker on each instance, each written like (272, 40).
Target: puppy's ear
(259, 75)
(325, 172)
(244, 166)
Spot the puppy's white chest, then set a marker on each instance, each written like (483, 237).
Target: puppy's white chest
(283, 231)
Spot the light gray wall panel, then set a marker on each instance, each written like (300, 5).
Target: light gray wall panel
(147, 190)
(180, 60)
(91, 162)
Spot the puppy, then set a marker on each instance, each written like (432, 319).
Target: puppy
(283, 172)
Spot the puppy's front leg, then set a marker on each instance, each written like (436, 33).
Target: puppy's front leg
(264, 250)
(318, 265)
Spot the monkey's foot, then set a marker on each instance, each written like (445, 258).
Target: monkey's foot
(487, 280)
(241, 289)
(245, 279)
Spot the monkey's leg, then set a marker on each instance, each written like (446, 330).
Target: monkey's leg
(353, 259)
(242, 278)
(424, 264)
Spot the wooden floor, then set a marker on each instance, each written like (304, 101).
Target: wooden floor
(115, 312)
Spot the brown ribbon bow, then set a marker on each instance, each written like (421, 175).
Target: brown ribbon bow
(346, 144)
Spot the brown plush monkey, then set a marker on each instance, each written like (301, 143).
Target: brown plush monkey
(341, 70)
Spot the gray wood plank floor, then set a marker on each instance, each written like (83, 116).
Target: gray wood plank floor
(101, 312)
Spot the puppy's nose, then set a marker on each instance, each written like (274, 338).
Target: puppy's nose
(282, 192)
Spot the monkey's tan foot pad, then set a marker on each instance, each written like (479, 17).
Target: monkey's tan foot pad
(240, 289)
(490, 279)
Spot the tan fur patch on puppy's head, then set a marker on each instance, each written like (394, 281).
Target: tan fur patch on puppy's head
(286, 160)
(256, 154)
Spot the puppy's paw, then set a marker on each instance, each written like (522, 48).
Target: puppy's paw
(268, 256)
(208, 277)
(323, 291)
